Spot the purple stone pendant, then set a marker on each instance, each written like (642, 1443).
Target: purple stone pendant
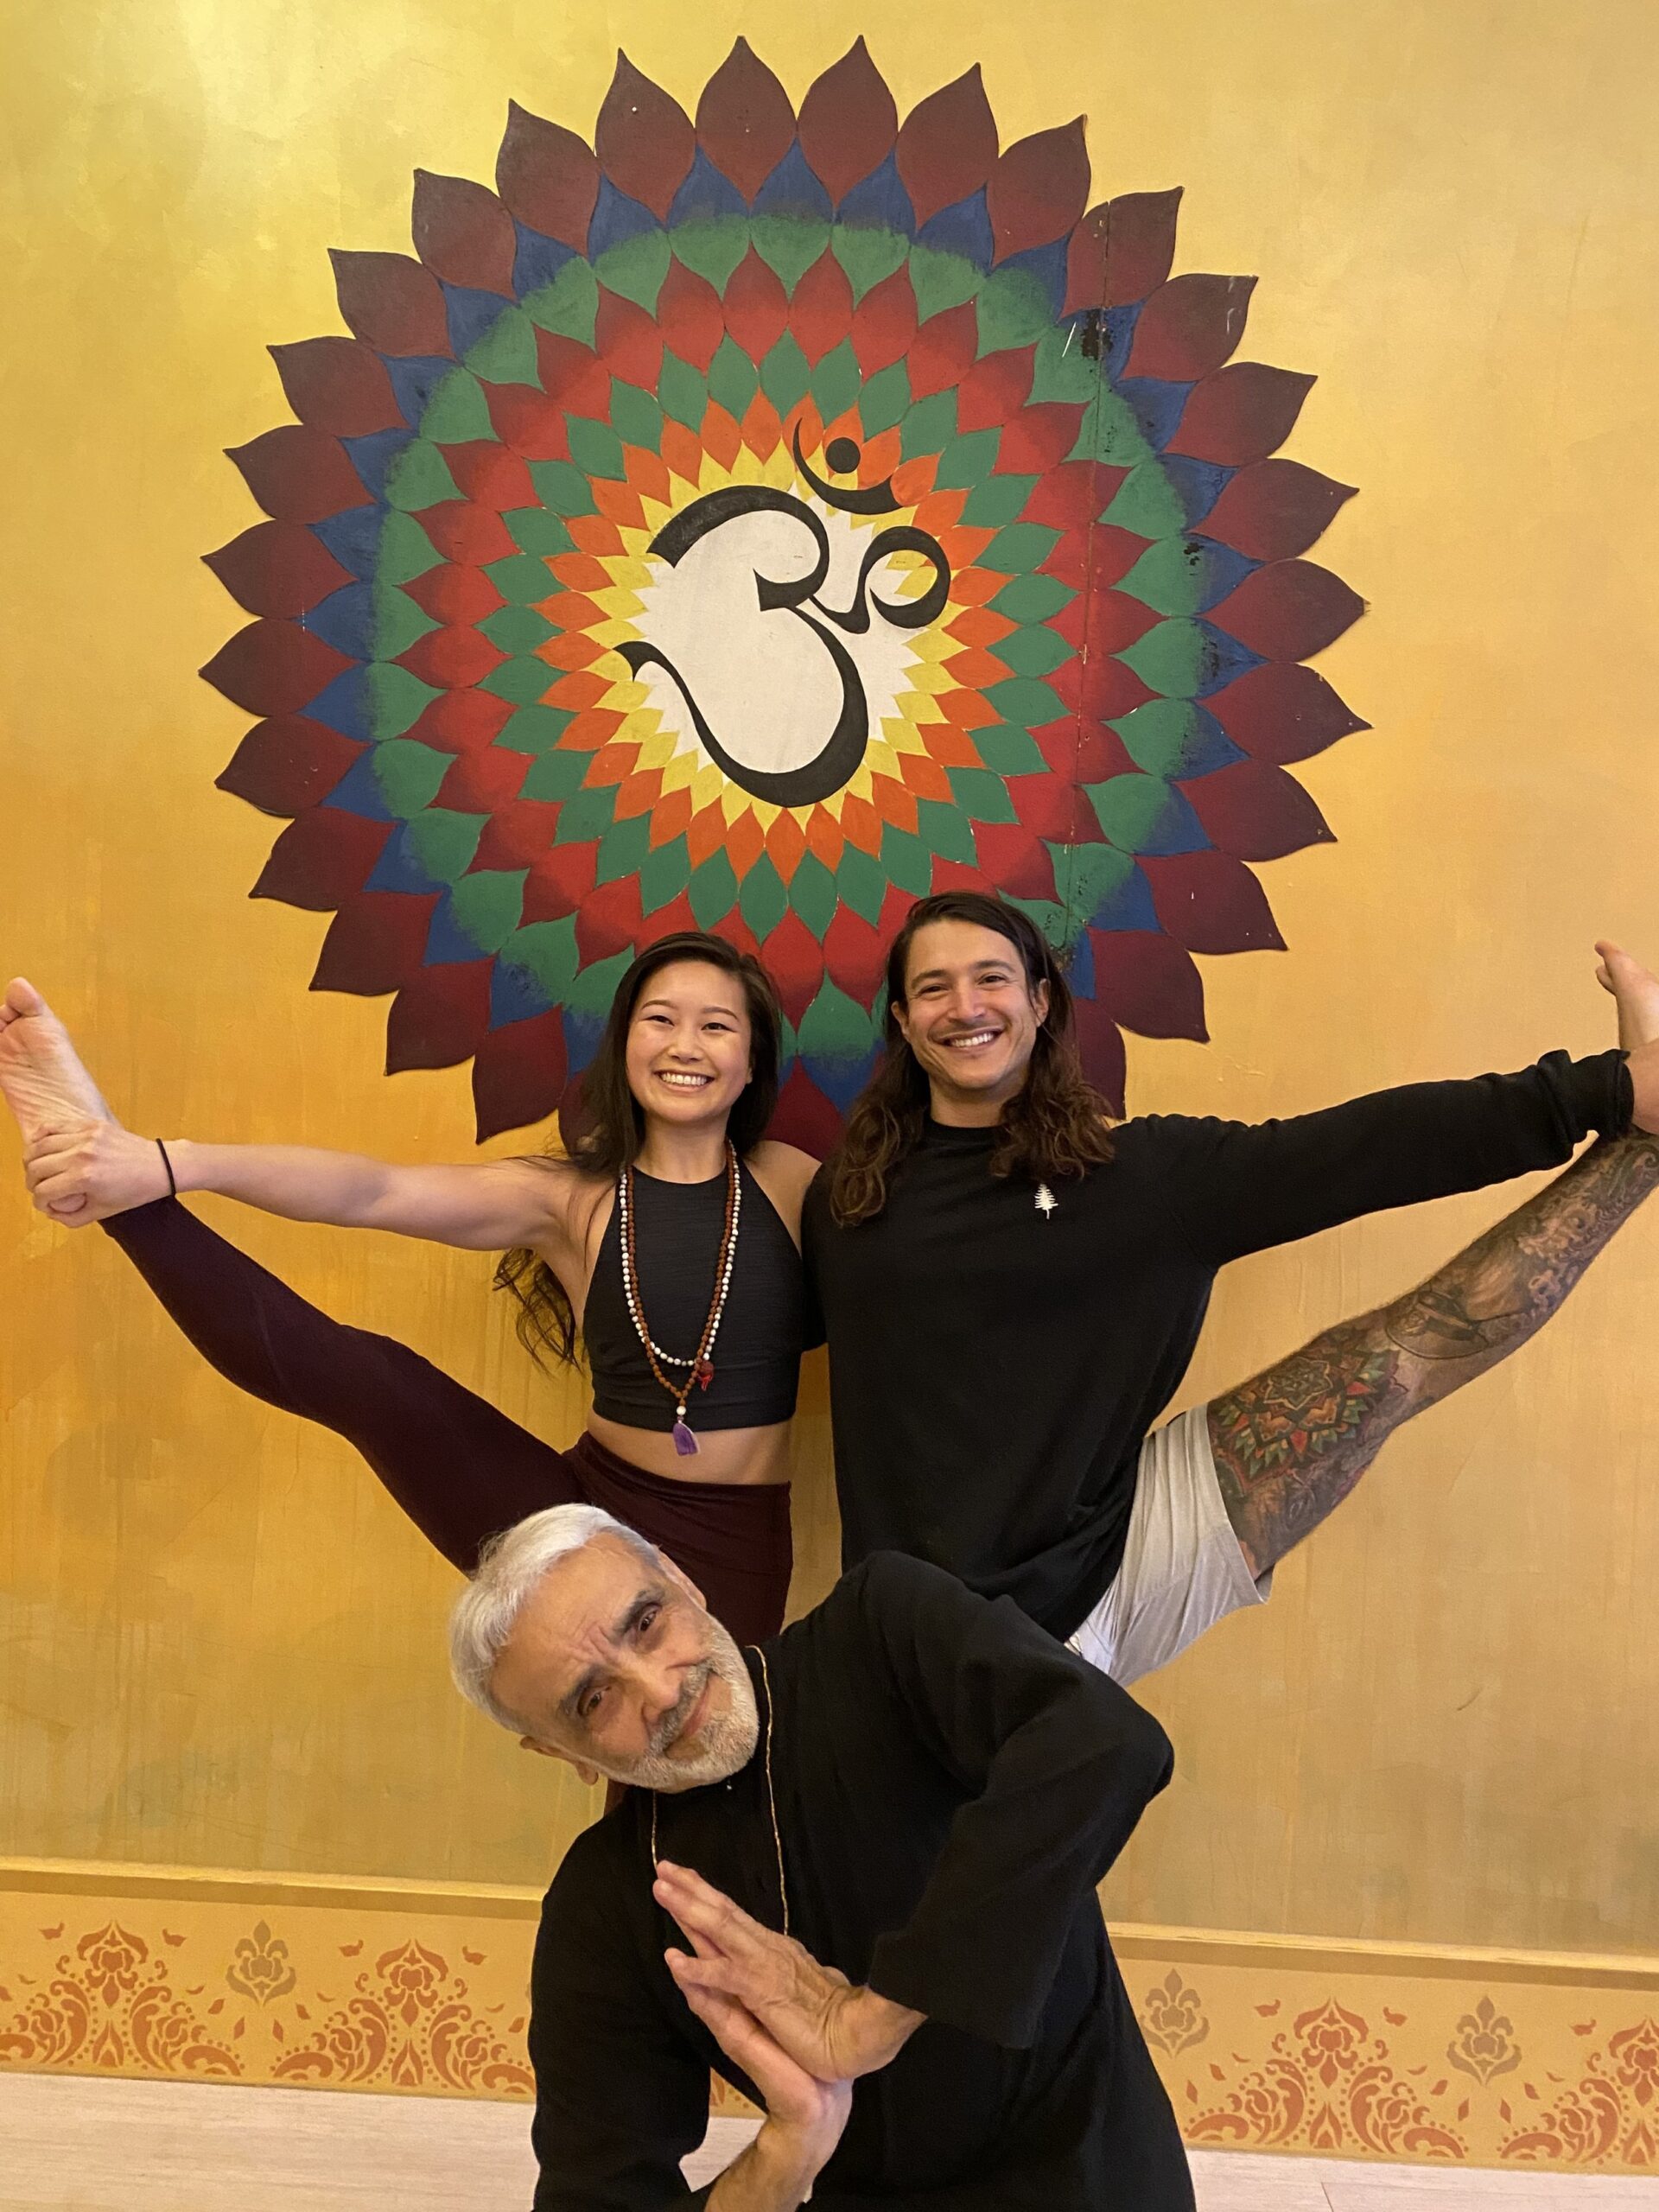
(684, 1443)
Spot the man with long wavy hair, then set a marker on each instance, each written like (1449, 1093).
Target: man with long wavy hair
(1012, 1289)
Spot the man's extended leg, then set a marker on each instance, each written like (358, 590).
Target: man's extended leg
(1291, 1444)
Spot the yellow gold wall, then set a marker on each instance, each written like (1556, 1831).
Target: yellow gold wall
(221, 1645)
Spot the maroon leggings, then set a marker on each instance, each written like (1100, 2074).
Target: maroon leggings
(460, 1469)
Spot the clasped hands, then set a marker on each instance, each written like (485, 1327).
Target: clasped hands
(801, 2031)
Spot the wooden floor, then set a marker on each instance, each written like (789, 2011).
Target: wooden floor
(141, 2146)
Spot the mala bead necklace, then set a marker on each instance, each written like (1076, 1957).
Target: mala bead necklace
(701, 1366)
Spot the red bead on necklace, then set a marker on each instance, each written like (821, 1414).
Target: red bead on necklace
(701, 1366)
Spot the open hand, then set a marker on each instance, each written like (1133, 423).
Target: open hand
(810, 2114)
(85, 1172)
(815, 2014)
(1637, 992)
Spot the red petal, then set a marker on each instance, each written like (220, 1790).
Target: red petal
(1100, 1047)
(491, 475)
(993, 388)
(1054, 808)
(440, 1017)
(610, 919)
(1281, 712)
(1241, 413)
(1015, 859)
(1148, 983)
(274, 668)
(1210, 903)
(453, 660)
(277, 568)
(1037, 191)
(643, 139)
(1190, 326)
(518, 835)
(794, 959)
(854, 952)
(559, 881)
(848, 122)
(449, 593)
(1274, 509)
(689, 315)
(804, 1116)
(519, 1074)
(285, 767)
(1039, 439)
(298, 474)
(1140, 245)
(1256, 812)
(1288, 612)
(947, 146)
(573, 374)
(883, 323)
(628, 341)
(481, 781)
(745, 122)
(820, 312)
(375, 942)
(461, 531)
(321, 859)
(463, 233)
(392, 303)
(338, 385)
(527, 422)
(547, 176)
(757, 313)
(944, 350)
(458, 721)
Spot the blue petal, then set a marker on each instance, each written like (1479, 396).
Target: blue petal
(1129, 907)
(414, 381)
(353, 538)
(447, 945)
(359, 792)
(1225, 569)
(791, 189)
(1224, 659)
(538, 261)
(1197, 484)
(1048, 264)
(399, 869)
(516, 994)
(345, 707)
(373, 456)
(840, 1081)
(1156, 405)
(472, 314)
(706, 195)
(964, 228)
(344, 620)
(616, 219)
(582, 1034)
(880, 202)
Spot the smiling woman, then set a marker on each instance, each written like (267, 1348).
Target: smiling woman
(665, 1239)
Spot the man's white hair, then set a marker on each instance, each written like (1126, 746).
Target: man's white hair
(509, 1567)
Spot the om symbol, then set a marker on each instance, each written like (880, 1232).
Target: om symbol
(778, 684)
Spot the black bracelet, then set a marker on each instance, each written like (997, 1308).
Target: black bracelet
(172, 1188)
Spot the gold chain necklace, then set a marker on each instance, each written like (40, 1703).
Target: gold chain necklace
(771, 1798)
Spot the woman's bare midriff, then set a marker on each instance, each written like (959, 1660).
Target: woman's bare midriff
(757, 1456)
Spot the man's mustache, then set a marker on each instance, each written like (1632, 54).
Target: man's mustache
(670, 1728)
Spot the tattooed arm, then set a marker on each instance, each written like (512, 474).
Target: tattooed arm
(1292, 1443)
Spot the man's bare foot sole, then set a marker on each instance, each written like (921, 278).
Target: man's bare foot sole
(41, 1077)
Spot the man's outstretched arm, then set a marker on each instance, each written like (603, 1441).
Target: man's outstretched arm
(1292, 1443)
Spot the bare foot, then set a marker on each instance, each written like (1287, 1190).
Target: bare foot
(42, 1077)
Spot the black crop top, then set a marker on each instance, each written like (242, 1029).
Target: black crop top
(757, 1357)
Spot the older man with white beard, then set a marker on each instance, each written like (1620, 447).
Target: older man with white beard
(855, 1874)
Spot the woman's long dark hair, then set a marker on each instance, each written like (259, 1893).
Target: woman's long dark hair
(1056, 1124)
(610, 1125)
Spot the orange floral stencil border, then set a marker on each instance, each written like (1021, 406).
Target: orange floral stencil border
(1259, 2049)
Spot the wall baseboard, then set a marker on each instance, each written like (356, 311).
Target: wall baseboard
(1355, 2049)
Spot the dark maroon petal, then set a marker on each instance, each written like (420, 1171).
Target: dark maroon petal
(287, 766)
(1274, 509)
(1148, 983)
(462, 233)
(1282, 712)
(338, 385)
(745, 123)
(1255, 812)
(519, 1074)
(1210, 903)
(1189, 327)
(1038, 189)
(643, 139)
(1288, 612)
(848, 122)
(440, 1017)
(321, 859)
(299, 474)
(392, 303)
(804, 1116)
(375, 942)
(1100, 1047)
(1139, 245)
(1241, 414)
(947, 145)
(274, 668)
(277, 568)
(547, 176)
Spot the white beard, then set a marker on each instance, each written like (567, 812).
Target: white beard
(725, 1744)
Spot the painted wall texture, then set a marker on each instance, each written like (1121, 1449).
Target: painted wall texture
(222, 1647)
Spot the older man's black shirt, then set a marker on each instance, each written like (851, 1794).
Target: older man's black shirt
(950, 1786)
(995, 1363)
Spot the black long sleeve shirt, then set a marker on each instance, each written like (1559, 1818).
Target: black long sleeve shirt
(950, 1785)
(994, 1369)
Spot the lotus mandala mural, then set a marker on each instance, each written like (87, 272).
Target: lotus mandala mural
(755, 522)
